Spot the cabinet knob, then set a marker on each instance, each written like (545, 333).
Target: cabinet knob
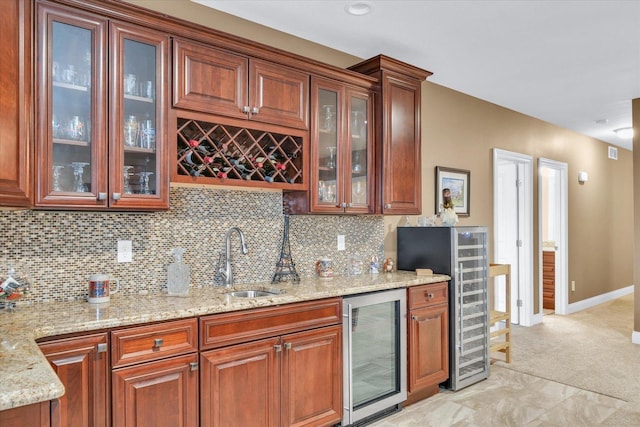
(102, 196)
(254, 110)
(414, 317)
(246, 109)
(102, 348)
(343, 205)
(116, 196)
(158, 342)
(287, 346)
(193, 366)
(429, 295)
(277, 348)
(387, 205)
(349, 205)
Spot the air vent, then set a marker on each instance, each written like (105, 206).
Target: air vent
(613, 153)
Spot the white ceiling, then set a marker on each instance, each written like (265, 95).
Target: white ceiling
(573, 63)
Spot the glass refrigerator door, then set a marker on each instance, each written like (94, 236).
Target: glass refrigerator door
(472, 270)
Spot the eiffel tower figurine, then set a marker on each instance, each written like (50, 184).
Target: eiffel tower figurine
(285, 267)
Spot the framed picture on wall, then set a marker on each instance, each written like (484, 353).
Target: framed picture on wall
(456, 183)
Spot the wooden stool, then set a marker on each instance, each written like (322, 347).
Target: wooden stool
(496, 344)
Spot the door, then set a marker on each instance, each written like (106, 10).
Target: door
(553, 229)
(513, 231)
(312, 377)
(82, 364)
(241, 385)
(157, 394)
(429, 358)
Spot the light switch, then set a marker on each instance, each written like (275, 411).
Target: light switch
(125, 251)
(341, 243)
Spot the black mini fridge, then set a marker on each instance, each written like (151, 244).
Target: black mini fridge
(462, 254)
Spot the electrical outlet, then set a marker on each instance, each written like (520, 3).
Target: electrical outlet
(573, 286)
(341, 242)
(125, 251)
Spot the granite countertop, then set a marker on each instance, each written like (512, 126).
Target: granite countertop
(26, 377)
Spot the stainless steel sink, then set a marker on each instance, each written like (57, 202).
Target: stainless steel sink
(254, 293)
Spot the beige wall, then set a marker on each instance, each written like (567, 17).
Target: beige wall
(460, 131)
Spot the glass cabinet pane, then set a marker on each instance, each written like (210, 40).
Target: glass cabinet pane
(359, 150)
(139, 175)
(328, 151)
(72, 108)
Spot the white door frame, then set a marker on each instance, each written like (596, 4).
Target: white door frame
(526, 215)
(562, 251)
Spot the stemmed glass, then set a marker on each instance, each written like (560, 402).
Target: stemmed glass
(331, 161)
(144, 182)
(329, 116)
(127, 174)
(78, 169)
(56, 177)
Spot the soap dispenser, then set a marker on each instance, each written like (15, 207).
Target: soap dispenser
(178, 275)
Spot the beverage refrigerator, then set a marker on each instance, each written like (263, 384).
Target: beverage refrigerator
(462, 254)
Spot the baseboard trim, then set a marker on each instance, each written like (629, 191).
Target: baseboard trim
(599, 299)
(635, 337)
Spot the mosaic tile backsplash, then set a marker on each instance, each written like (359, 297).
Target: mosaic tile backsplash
(58, 251)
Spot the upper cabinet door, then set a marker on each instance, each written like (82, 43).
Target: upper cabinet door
(224, 83)
(138, 152)
(209, 80)
(71, 116)
(278, 94)
(15, 108)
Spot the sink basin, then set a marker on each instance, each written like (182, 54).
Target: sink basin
(251, 293)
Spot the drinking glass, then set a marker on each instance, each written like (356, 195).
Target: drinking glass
(78, 170)
(331, 161)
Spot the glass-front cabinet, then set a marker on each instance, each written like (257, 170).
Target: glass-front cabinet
(101, 113)
(341, 149)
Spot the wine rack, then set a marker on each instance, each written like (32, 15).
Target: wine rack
(217, 153)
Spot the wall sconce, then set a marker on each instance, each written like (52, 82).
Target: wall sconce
(583, 177)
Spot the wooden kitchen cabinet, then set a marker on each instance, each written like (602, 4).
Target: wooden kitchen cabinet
(282, 362)
(341, 151)
(155, 375)
(398, 139)
(549, 280)
(36, 415)
(16, 139)
(428, 362)
(82, 364)
(221, 82)
(101, 112)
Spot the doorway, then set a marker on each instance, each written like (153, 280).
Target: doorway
(553, 231)
(513, 231)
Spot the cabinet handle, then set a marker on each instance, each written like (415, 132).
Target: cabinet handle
(414, 317)
(277, 348)
(349, 205)
(245, 109)
(287, 346)
(158, 342)
(343, 205)
(116, 196)
(102, 348)
(193, 366)
(102, 196)
(254, 110)
(387, 205)
(429, 295)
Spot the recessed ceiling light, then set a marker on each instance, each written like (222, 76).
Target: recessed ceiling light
(358, 8)
(624, 133)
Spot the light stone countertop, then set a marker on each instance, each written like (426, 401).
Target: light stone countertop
(26, 377)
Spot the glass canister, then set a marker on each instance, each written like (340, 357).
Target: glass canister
(131, 131)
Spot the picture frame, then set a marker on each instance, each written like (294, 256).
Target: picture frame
(458, 181)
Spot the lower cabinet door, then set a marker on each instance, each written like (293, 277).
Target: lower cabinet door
(240, 385)
(429, 347)
(163, 393)
(82, 364)
(36, 415)
(312, 377)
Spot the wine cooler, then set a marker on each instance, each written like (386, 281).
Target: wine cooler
(462, 254)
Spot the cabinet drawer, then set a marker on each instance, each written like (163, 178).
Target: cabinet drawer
(150, 342)
(224, 329)
(426, 295)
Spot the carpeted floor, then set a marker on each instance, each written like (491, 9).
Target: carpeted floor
(590, 350)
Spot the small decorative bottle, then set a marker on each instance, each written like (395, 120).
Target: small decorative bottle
(178, 275)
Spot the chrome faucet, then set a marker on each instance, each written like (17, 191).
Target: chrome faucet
(226, 273)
